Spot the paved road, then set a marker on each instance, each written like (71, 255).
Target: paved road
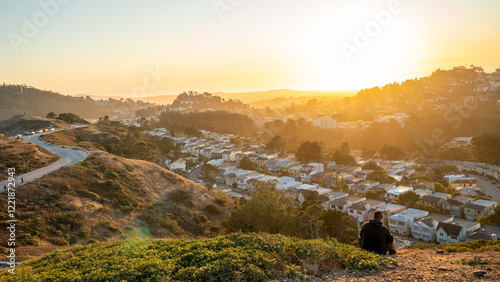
(68, 156)
(488, 188)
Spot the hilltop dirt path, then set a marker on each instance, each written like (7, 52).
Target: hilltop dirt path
(426, 265)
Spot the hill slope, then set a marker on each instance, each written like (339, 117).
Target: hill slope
(106, 196)
(233, 257)
(19, 99)
(23, 156)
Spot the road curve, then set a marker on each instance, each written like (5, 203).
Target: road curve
(69, 156)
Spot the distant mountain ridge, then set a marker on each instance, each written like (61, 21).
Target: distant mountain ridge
(22, 99)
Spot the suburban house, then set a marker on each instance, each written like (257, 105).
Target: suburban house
(360, 210)
(330, 181)
(207, 152)
(226, 155)
(259, 161)
(302, 195)
(283, 168)
(343, 204)
(455, 206)
(478, 208)
(309, 169)
(401, 222)
(486, 232)
(423, 192)
(217, 155)
(394, 193)
(230, 178)
(294, 171)
(286, 182)
(436, 200)
(319, 178)
(241, 181)
(178, 164)
(455, 231)
(388, 210)
(272, 165)
(251, 183)
(384, 186)
(364, 186)
(425, 228)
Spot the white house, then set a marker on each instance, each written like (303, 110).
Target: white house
(178, 164)
(401, 222)
(455, 231)
(394, 193)
(425, 228)
(359, 211)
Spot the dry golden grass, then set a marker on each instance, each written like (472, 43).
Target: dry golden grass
(104, 197)
(23, 156)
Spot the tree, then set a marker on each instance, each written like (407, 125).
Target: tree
(340, 226)
(51, 115)
(310, 151)
(372, 166)
(486, 148)
(380, 176)
(192, 130)
(343, 155)
(438, 187)
(311, 222)
(276, 143)
(376, 194)
(209, 174)
(492, 219)
(391, 152)
(268, 210)
(247, 163)
(310, 200)
(429, 208)
(408, 199)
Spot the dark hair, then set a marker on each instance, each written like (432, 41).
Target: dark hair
(378, 215)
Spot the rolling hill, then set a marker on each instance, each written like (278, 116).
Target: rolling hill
(23, 156)
(106, 197)
(21, 99)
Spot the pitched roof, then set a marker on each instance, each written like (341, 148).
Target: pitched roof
(450, 229)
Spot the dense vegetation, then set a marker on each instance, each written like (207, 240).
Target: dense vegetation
(235, 257)
(215, 121)
(273, 211)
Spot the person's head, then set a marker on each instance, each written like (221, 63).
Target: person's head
(378, 215)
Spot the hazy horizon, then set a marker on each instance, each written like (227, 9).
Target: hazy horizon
(111, 49)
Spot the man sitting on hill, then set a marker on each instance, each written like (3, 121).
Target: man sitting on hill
(375, 237)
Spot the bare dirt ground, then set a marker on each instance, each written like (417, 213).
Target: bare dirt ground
(427, 265)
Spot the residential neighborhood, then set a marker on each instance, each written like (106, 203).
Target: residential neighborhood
(455, 214)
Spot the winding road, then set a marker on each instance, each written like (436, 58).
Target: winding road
(69, 156)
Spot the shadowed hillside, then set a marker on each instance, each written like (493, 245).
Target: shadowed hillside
(108, 197)
(20, 99)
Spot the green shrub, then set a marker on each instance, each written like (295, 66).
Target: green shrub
(235, 257)
(213, 209)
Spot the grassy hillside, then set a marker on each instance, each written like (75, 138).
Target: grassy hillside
(23, 156)
(235, 257)
(21, 99)
(108, 197)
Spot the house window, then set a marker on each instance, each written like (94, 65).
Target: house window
(478, 212)
(392, 221)
(401, 223)
(441, 234)
(453, 237)
(358, 212)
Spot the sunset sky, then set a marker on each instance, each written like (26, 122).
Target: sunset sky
(112, 47)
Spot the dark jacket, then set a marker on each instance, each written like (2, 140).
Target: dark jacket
(375, 237)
